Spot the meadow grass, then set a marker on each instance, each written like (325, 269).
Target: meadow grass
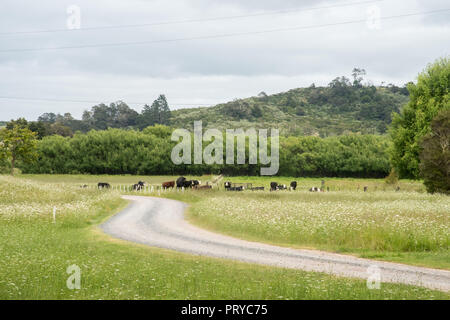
(403, 227)
(35, 253)
(333, 184)
(407, 226)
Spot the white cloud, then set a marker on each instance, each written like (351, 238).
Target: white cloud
(209, 70)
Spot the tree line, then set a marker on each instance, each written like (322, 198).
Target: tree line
(147, 152)
(99, 117)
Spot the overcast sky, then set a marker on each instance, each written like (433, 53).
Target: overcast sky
(204, 71)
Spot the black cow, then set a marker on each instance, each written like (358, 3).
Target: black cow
(196, 182)
(294, 185)
(228, 186)
(273, 186)
(281, 187)
(188, 184)
(103, 185)
(138, 186)
(180, 182)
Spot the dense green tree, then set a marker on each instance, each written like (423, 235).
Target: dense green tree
(21, 122)
(435, 155)
(427, 98)
(157, 113)
(47, 117)
(59, 129)
(124, 116)
(256, 111)
(17, 143)
(42, 129)
(116, 151)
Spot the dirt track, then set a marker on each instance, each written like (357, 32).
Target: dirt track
(160, 223)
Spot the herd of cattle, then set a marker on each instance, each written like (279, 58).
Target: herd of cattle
(274, 186)
(183, 183)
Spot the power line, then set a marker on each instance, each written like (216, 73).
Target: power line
(94, 102)
(227, 35)
(190, 20)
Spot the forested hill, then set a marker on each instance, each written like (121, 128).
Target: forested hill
(341, 107)
(337, 109)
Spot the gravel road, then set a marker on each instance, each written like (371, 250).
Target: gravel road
(160, 223)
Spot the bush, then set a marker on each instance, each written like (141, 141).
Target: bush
(435, 155)
(118, 151)
(392, 178)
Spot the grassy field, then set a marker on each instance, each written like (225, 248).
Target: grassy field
(35, 254)
(408, 226)
(402, 227)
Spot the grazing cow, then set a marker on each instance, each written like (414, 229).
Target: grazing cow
(273, 186)
(180, 182)
(196, 182)
(169, 184)
(228, 186)
(188, 184)
(314, 189)
(139, 186)
(103, 185)
(281, 187)
(293, 185)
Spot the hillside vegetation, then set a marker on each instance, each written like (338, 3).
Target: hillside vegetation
(342, 107)
(338, 109)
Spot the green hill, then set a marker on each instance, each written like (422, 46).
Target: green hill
(337, 109)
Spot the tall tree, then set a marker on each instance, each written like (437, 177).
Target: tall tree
(427, 98)
(163, 109)
(17, 143)
(157, 113)
(47, 117)
(357, 75)
(124, 115)
(435, 155)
